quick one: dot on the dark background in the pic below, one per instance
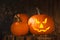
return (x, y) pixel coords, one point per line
(8, 8)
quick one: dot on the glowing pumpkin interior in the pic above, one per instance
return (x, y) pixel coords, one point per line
(41, 24)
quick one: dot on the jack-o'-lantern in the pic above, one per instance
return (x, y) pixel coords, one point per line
(19, 27)
(41, 24)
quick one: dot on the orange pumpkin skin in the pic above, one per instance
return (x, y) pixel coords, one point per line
(41, 24)
(20, 28)
(23, 17)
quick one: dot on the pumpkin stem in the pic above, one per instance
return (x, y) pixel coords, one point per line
(17, 18)
(38, 11)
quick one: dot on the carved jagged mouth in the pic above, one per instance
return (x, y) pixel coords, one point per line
(41, 30)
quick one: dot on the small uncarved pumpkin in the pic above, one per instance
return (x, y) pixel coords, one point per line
(41, 24)
(20, 27)
(23, 17)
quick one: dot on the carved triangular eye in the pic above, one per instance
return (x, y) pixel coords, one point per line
(45, 21)
(37, 21)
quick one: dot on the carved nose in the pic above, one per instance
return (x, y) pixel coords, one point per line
(41, 26)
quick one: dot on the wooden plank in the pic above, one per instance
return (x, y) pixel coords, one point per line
(28, 37)
(11, 37)
(20, 38)
(44, 37)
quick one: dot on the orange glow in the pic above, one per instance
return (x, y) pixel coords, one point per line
(41, 26)
(45, 21)
(41, 30)
(37, 21)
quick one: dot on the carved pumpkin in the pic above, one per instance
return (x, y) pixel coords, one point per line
(20, 27)
(41, 24)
